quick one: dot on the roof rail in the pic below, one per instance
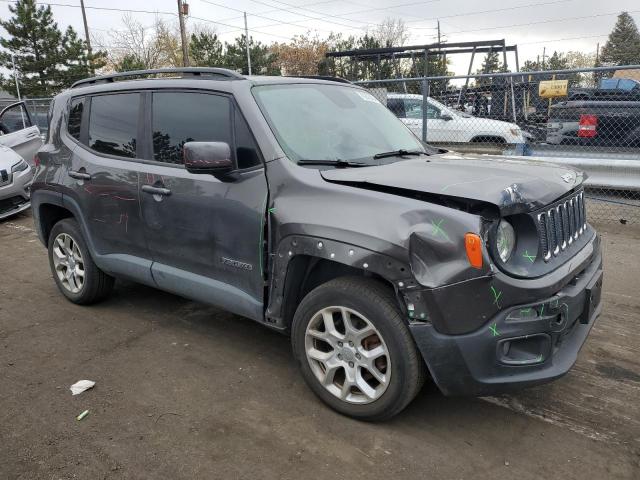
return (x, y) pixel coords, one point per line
(321, 77)
(184, 71)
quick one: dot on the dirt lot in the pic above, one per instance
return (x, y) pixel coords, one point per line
(186, 391)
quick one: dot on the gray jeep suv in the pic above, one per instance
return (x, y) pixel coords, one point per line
(306, 205)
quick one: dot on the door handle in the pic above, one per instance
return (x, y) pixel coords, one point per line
(79, 175)
(32, 134)
(156, 190)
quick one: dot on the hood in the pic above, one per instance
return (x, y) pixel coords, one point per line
(8, 158)
(478, 123)
(513, 186)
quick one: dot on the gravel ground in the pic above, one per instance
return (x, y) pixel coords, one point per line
(186, 391)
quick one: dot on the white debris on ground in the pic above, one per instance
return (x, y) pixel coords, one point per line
(81, 386)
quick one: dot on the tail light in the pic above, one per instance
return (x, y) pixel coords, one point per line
(588, 126)
(36, 161)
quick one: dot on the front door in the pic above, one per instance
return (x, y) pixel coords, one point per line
(18, 132)
(205, 234)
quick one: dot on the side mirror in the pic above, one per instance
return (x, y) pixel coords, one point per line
(446, 117)
(207, 157)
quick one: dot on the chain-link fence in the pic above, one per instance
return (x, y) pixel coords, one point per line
(570, 114)
(558, 115)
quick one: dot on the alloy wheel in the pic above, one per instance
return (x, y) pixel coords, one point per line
(348, 355)
(68, 263)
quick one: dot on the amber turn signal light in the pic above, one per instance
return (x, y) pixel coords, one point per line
(473, 245)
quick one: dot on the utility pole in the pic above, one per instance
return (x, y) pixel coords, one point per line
(183, 35)
(86, 36)
(439, 46)
(246, 36)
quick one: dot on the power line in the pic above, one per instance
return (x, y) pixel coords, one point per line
(495, 10)
(88, 7)
(553, 20)
(259, 15)
(158, 12)
(278, 10)
(341, 16)
(551, 40)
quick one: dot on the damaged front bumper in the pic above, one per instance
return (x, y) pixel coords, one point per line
(521, 345)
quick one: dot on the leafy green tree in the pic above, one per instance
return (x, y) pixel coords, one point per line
(206, 50)
(47, 60)
(263, 61)
(129, 62)
(623, 44)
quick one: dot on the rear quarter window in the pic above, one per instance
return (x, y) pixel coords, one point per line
(75, 117)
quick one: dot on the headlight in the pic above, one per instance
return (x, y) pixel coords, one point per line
(516, 132)
(21, 166)
(505, 240)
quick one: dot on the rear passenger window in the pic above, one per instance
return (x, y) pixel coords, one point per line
(113, 124)
(75, 117)
(180, 117)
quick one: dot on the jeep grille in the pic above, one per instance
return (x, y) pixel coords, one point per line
(560, 225)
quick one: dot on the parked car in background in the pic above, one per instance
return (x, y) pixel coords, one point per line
(19, 132)
(602, 123)
(623, 89)
(15, 181)
(447, 125)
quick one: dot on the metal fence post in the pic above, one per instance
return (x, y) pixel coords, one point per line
(425, 95)
(425, 106)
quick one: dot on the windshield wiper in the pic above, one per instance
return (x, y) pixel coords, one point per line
(399, 153)
(335, 163)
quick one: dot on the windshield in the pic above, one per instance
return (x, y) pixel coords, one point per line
(331, 122)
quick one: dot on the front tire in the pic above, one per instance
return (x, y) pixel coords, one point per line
(75, 273)
(354, 349)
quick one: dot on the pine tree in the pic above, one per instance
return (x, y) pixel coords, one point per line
(490, 64)
(623, 44)
(262, 59)
(47, 60)
(128, 63)
(205, 50)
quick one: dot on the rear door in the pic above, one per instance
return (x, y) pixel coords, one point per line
(205, 234)
(102, 180)
(18, 132)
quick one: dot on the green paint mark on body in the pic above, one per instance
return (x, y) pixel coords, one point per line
(437, 229)
(494, 330)
(531, 258)
(496, 296)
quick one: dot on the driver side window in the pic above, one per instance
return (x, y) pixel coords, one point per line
(14, 119)
(413, 108)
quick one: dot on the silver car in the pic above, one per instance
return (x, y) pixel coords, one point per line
(15, 182)
(19, 141)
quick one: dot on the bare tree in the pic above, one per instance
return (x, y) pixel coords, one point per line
(392, 32)
(135, 43)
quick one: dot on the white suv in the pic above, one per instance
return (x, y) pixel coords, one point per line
(448, 125)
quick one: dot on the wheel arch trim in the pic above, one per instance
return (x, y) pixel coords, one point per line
(397, 273)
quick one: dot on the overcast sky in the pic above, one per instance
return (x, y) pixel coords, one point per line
(561, 25)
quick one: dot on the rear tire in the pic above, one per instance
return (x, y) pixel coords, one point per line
(73, 269)
(354, 349)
